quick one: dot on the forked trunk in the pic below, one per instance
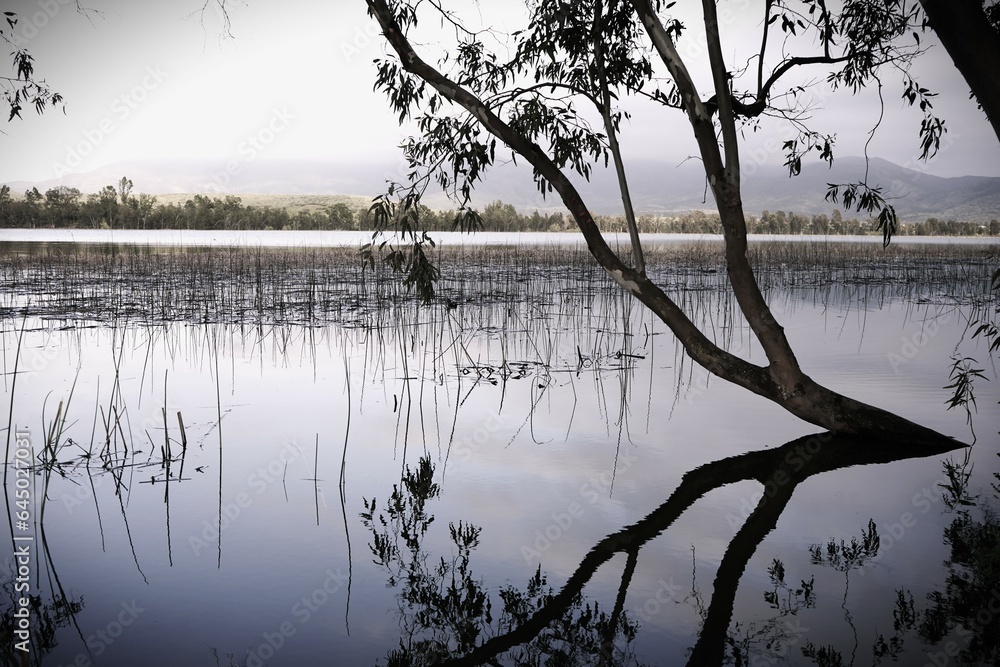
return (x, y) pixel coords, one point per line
(782, 380)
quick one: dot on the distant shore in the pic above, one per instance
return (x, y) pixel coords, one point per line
(347, 238)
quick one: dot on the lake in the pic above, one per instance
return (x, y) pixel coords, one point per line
(252, 450)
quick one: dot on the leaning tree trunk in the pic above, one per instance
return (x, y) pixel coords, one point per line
(782, 380)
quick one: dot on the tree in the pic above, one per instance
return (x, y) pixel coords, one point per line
(820, 224)
(61, 196)
(597, 53)
(61, 208)
(124, 190)
(341, 216)
(500, 216)
(144, 206)
(108, 199)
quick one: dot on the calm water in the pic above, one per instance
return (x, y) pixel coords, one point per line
(533, 420)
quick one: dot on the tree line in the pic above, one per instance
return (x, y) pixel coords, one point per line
(115, 207)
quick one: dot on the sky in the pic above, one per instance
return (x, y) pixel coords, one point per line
(161, 80)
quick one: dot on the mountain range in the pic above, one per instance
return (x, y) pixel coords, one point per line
(658, 187)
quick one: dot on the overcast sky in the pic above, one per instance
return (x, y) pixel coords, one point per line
(152, 80)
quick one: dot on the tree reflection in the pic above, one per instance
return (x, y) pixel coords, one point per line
(46, 616)
(969, 606)
(843, 557)
(445, 610)
(46, 619)
(447, 614)
(755, 637)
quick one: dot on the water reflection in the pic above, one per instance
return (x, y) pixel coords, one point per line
(445, 610)
(447, 616)
(537, 390)
(969, 606)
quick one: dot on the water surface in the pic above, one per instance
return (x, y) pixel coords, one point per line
(533, 402)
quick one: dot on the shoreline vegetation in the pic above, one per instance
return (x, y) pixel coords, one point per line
(115, 207)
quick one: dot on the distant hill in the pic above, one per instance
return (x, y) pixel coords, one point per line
(916, 195)
(657, 187)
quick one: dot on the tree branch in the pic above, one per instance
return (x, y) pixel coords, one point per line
(696, 110)
(720, 76)
(759, 105)
(605, 107)
(724, 180)
(763, 48)
(510, 95)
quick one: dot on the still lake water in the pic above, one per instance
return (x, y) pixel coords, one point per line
(552, 413)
